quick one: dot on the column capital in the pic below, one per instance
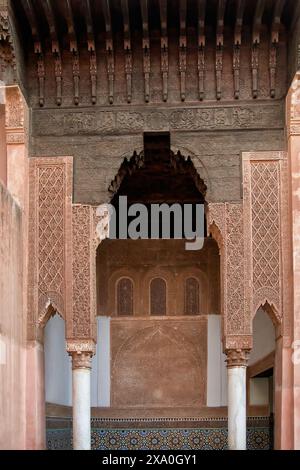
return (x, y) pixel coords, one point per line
(237, 357)
(81, 360)
(81, 352)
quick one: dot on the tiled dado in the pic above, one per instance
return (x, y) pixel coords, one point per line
(147, 434)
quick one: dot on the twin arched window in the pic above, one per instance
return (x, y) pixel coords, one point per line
(158, 297)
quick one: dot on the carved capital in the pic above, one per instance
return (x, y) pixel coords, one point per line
(81, 360)
(237, 357)
(81, 353)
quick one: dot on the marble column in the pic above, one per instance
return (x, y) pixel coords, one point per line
(237, 410)
(81, 397)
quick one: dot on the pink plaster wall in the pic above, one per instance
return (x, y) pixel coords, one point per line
(12, 325)
(3, 157)
(294, 152)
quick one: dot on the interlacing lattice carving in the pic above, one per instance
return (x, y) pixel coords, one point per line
(49, 264)
(265, 184)
(51, 253)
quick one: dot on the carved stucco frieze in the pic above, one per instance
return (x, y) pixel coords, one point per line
(107, 121)
(49, 286)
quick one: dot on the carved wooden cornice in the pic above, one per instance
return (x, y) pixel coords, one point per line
(101, 25)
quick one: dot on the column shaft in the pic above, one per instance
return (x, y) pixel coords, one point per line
(81, 409)
(237, 407)
(237, 418)
(81, 393)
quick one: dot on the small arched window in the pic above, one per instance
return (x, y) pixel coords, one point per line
(191, 296)
(158, 297)
(125, 297)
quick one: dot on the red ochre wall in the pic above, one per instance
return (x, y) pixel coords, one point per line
(12, 325)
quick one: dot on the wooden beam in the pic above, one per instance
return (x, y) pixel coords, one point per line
(219, 47)
(146, 48)
(89, 26)
(127, 49)
(31, 16)
(182, 48)
(257, 21)
(201, 48)
(71, 26)
(240, 8)
(73, 49)
(278, 9)
(109, 49)
(47, 6)
(259, 11)
(164, 46)
(92, 50)
(41, 74)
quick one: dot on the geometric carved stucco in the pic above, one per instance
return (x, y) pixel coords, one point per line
(263, 174)
(82, 324)
(226, 224)
(50, 206)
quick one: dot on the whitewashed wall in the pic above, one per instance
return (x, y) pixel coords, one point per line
(263, 344)
(263, 337)
(58, 367)
(216, 365)
(101, 365)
